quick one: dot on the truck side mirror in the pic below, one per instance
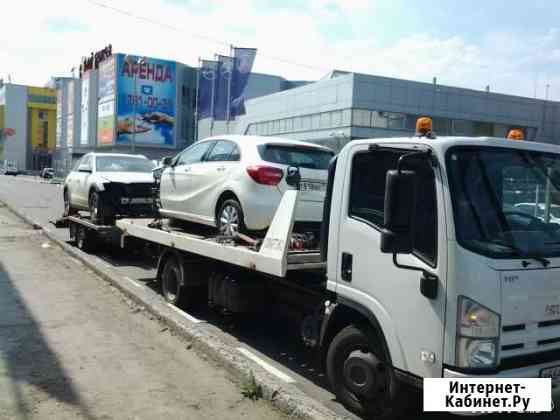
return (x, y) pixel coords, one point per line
(166, 161)
(400, 204)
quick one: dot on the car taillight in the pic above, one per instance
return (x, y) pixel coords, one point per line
(266, 175)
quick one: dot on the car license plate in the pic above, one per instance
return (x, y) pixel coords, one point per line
(311, 186)
(552, 373)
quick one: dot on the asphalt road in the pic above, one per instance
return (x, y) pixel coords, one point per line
(71, 347)
(274, 341)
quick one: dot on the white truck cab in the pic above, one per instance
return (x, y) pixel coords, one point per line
(428, 256)
(427, 267)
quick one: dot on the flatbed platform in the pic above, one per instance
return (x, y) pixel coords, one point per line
(272, 257)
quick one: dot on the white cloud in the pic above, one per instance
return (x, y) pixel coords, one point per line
(508, 63)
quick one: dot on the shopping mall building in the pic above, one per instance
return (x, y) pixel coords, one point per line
(27, 125)
(346, 106)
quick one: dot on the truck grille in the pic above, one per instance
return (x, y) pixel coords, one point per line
(522, 342)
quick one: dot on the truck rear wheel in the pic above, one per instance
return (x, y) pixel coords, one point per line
(173, 285)
(360, 376)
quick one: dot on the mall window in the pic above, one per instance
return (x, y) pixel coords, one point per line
(316, 121)
(346, 117)
(289, 124)
(336, 118)
(361, 118)
(326, 120)
(379, 119)
(306, 122)
(442, 126)
(395, 121)
(483, 129)
(462, 128)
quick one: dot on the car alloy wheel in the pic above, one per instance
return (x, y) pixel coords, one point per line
(229, 221)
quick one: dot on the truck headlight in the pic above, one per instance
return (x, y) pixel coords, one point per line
(478, 335)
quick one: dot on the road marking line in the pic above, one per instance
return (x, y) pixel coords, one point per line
(186, 315)
(267, 366)
(134, 283)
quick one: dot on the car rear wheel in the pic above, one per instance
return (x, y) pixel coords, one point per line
(230, 218)
(100, 211)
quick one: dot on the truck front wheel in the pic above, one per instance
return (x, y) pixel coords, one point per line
(360, 376)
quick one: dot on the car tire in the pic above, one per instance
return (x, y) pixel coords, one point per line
(68, 209)
(100, 212)
(85, 240)
(230, 219)
(382, 397)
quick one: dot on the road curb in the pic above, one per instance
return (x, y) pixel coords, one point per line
(286, 397)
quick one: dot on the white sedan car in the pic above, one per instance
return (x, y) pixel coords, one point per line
(110, 184)
(235, 183)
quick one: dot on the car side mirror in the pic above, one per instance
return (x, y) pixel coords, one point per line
(84, 168)
(293, 177)
(400, 205)
(166, 161)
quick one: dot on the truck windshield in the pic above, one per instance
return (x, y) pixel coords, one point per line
(506, 201)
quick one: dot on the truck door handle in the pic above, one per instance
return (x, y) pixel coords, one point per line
(346, 267)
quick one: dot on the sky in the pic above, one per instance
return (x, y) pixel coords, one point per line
(512, 46)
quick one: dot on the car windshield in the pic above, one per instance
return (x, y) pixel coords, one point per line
(123, 164)
(303, 157)
(505, 201)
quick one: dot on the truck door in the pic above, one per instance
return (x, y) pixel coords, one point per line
(413, 324)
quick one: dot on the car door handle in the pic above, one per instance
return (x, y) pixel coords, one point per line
(221, 168)
(187, 169)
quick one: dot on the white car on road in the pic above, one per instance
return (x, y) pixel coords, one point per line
(110, 184)
(235, 183)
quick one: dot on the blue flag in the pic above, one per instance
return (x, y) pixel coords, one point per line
(223, 86)
(244, 59)
(206, 88)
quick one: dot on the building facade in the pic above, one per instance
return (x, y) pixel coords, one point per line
(347, 106)
(126, 104)
(27, 126)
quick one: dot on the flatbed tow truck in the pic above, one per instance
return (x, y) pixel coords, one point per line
(425, 266)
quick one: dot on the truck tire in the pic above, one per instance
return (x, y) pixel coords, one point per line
(173, 285)
(359, 375)
(101, 213)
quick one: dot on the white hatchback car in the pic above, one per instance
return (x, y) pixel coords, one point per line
(235, 183)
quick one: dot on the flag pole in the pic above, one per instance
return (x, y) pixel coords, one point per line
(216, 69)
(196, 101)
(229, 86)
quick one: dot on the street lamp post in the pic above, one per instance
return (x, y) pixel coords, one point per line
(131, 60)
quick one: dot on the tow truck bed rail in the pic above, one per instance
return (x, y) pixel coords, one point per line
(273, 257)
